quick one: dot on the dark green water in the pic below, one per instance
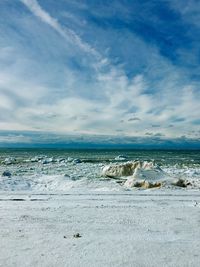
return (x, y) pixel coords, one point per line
(162, 157)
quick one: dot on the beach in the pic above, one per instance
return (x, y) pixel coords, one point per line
(99, 208)
(144, 228)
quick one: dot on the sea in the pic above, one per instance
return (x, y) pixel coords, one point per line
(80, 170)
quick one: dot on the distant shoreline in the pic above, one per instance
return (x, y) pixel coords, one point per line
(96, 147)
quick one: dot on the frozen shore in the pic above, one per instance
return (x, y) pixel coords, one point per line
(141, 228)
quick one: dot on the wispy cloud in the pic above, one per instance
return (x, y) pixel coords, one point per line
(67, 33)
(102, 77)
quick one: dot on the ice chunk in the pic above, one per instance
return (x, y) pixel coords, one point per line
(121, 157)
(76, 161)
(146, 178)
(180, 182)
(69, 159)
(6, 173)
(47, 161)
(9, 161)
(125, 169)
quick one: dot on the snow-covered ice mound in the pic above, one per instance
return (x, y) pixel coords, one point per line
(146, 177)
(128, 168)
(142, 174)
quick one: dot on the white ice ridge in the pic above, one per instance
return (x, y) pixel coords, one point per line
(142, 174)
(129, 168)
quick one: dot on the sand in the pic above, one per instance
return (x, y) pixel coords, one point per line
(140, 228)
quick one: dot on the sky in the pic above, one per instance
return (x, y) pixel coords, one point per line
(121, 69)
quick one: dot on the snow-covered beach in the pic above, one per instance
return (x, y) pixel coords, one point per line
(148, 228)
(99, 208)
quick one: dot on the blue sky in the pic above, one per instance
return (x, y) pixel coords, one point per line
(114, 68)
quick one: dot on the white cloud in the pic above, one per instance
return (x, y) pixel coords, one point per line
(15, 138)
(67, 33)
(94, 101)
